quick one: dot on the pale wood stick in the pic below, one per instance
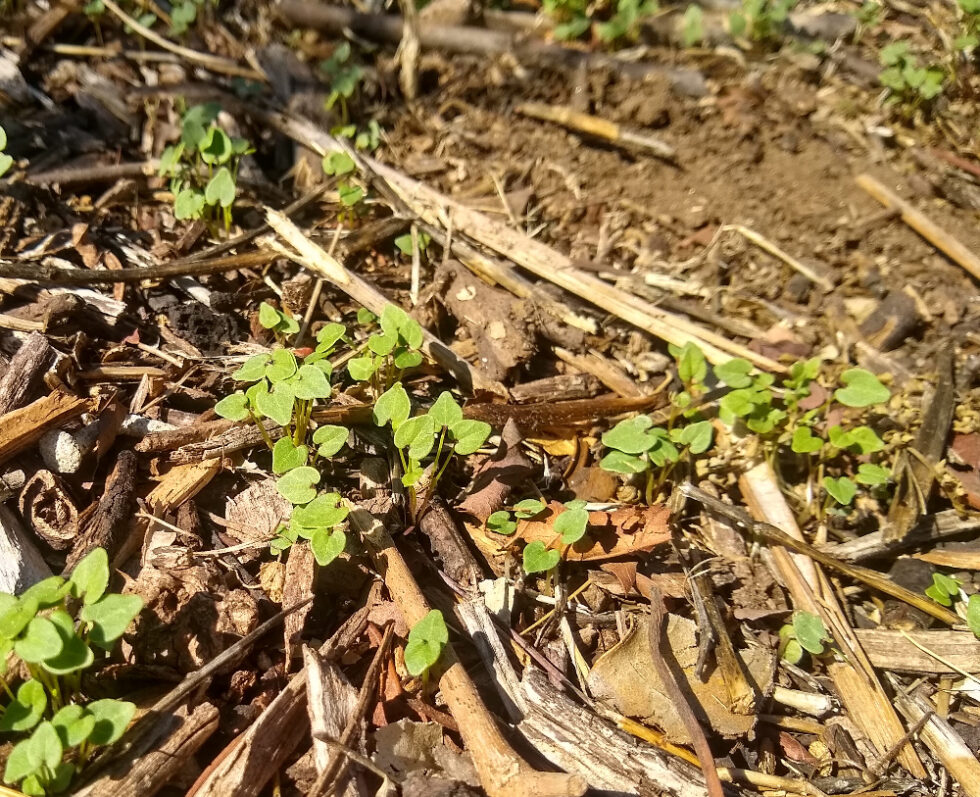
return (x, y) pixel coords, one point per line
(768, 246)
(856, 681)
(22, 428)
(922, 224)
(503, 772)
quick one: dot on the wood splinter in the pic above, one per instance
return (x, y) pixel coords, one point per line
(503, 773)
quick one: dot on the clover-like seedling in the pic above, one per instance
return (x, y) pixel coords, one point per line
(636, 445)
(54, 648)
(404, 242)
(317, 521)
(426, 640)
(344, 78)
(862, 389)
(909, 84)
(398, 344)
(973, 614)
(5, 160)
(572, 522)
(944, 589)
(806, 633)
(841, 489)
(539, 559)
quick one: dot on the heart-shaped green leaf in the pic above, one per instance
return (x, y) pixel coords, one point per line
(804, 442)
(734, 373)
(26, 711)
(74, 724)
(618, 462)
(90, 577)
(281, 366)
(392, 406)
(328, 335)
(216, 149)
(697, 436)
(298, 486)
(538, 559)
(361, 368)
(393, 318)
(17, 616)
(75, 654)
(445, 411)
(405, 359)
(571, 524)
(469, 435)
(22, 762)
(47, 592)
(349, 195)
(220, 189)
(842, 490)
(310, 383)
(111, 719)
(810, 632)
(630, 436)
(40, 641)
(110, 617)
(417, 435)
(5, 163)
(269, 316)
(384, 343)
(863, 389)
(425, 643)
(277, 405)
(337, 163)
(529, 507)
(233, 407)
(327, 545)
(286, 455)
(501, 523)
(324, 511)
(330, 439)
(872, 475)
(253, 369)
(188, 204)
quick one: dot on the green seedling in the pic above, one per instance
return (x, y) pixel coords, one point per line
(184, 13)
(539, 559)
(806, 633)
(973, 614)
(944, 589)
(969, 36)
(426, 640)
(404, 242)
(692, 28)
(909, 85)
(622, 18)
(343, 76)
(760, 21)
(390, 352)
(624, 24)
(59, 628)
(203, 167)
(5, 160)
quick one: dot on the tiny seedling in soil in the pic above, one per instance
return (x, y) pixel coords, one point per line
(5, 160)
(58, 629)
(806, 633)
(426, 640)
(910, 86)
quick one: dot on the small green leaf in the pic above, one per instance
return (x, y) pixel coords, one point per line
(734, 373)
(16, 618)
(310, 383)
(692, 368)
(618, 462)
(41, 641)
(277, 405)
(501, 523)
(469, 435)
(328, 335)
(538, 559)
(792, 651)
(75, 654)
(336, 164)
(697, 436)
(365, 316)
(330, 439)
(405, 359)
(5, 163)
(445, 411)
(862, 389)
(973, 614)
(297, 486)
(269, 316)
(350, 195)
(74, 725)
(281, 366)
(233, 407)
(253, 369)
(425, 643)
(170, 160)
(220, 189)
(529, 507)
(110, 617)
(327, 545)
(286, 456)
(392, 406)
(842, 490)
(416, 434)
(49, 591)
(24, 760)
(571, 524)
(804, 441)
(324, 511)
(383, 343)
(872, 475)
(47, 745)
(111, 719)
(630, 436)
(361, 368)
(188, 204)
(810, 632)
(27, 710)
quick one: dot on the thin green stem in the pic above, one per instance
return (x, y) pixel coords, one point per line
(262, 431)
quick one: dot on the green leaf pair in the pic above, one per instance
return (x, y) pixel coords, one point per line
(426, 640)
(805, 633)
(944, 589)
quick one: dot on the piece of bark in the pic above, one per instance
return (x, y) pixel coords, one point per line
(891, 322)
(158, 766)
(897, 650)
(112, 515)
(331, 701)
(497, 477)
(448, 543)
(299, 583)
(557, 388)
(21, 564)
(25, 372)
(22, 428)
(46, 506)
(171, 439)
(928, 530)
